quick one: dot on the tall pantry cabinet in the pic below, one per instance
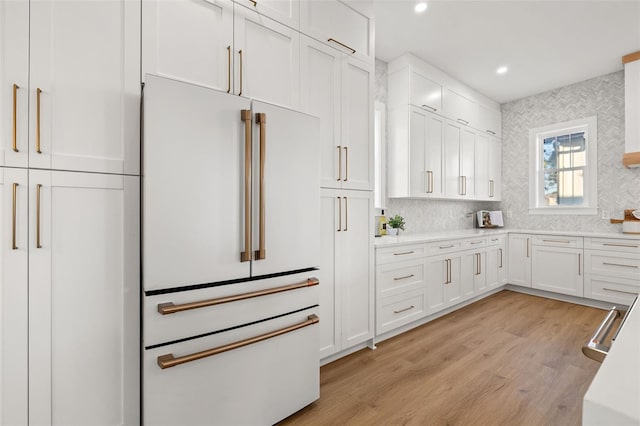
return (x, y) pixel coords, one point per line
(69, 207)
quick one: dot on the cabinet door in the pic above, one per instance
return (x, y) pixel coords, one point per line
(330, 294)
(453, 291)
(437, 279)
(426, 93)
(426, 138)
(495, 266)
(519, 259)
(482, 181)
(558, 270)
(495, 169)
(355, 259)
(267, 59)
(14, 345)
(83, 298)
(467, 163)
(489, 120)
(453, 182)
(460, 108)
(357, 124)
(284, 11)
(320, 68)
(434, 154)
(14, 83)
(189, 40)
(85, 90)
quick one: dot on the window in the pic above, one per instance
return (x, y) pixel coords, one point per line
(564, 168)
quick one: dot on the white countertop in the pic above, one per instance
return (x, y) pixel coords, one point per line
(613, 397)
(407, 238)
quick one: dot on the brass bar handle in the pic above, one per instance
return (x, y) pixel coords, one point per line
(15, 117)
(446, 247)
(245, 115)
(557, 241)
(168, 360)
(527, 247)
(255, 3)
(38, 243)
(170, 308)
(620, 291)
(449, 271)
(240, 53)
(346, 214)
(594, 348)
(14, 246)
(621, 265)
(403, 278)
(460, 184)
(403, 253)
(339, 214)
(261, 119)
(473, 243)
(620, 245)
(346, 163)
(500, 251)
(491, 132)
(404, 310)
(339, 163)
(479, 263)
(464, 179)
(333, 40)
(490, 188)
(460, 120)
(579, 264)
(38, 92)
(429, 107)
(228, 69)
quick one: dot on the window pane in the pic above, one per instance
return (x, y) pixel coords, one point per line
(578, 148)
(570, 187)
(550, 153)
(551, 189)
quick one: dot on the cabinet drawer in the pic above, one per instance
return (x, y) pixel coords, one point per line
(394, 311)
(400, 253)
(395, 278)
(442, 247)
(623, 265)
(611, 289)
(495, 241)
(556, 241)
(159, 328)
(612, 244)
(474, 243)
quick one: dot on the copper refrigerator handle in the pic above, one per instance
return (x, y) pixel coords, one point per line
(13, 217)
(15, 117)
(38, 243)
(245, 115)
(339, 162)
(339, 214)
(261, 119)
(240, 53)
(38, 92)
(228, 69)
(170, 308)
(168, 360)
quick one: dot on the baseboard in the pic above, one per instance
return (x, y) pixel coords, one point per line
(561, 297)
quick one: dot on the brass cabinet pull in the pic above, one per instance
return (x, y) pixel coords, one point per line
(403, 253)
(339, 163)
(255, 3)
(620, 264)
(460, 120)
(620, 291)
(346, 214)
(38, 92)
(170, 308)
(228, 69)
(429, 182)
(245, 115)
(429, 107)
(473, 243)
(557, 241)
(339, 214)
(333, 40)
(527, 247)
(13, 216)
(479, 263)
(490, 188)
(404, 310)
(15, 117)
(38, 188)
(346, 163)
(168, 360)
(403, 278)
(261, 119)
(579, 264)
(447, 263)
(500, 251)
(464, 180)
(240, 53)
(446, 247)
(491, 132)
(620, 245)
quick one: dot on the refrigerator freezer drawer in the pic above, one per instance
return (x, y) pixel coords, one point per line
(260, 383)
(218, 314)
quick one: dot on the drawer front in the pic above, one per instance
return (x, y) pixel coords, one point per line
(443, 247)
(395, 311)
(399, 253)
(620, 264)
(557, 241)
(160, 328)
(260, 383)
(475, 243)
(497, 240)
(613, 244)
(396, 278)
(608, 289)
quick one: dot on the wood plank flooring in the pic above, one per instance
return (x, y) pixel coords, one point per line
(509, 359)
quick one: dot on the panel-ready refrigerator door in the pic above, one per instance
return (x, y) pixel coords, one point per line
(193, 185)
(286, 190)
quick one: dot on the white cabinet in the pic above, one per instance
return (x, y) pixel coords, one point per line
(488, 168)
(346, 295)
(284, 11)
(338, 89)
(444, 285)
(475, 273)
(558, 270)
(519, 259)
(460, 107)
(339, 23)
(489, 120)
(79, 233)
(494, 161)
(417, 156)
(459, 161)
(409, 86)
(612, 269)
(82, 92)
(496, 262)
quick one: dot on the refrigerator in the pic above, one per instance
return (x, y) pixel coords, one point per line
(230, 214)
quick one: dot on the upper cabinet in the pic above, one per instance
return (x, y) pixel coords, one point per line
(490, 120)
(340, 24)
(408, 86)
(461, 108)
(283, 11)
(87, 117)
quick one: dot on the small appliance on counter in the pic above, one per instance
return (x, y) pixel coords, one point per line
(490, 219)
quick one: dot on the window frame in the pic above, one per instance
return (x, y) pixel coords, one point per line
(589, 126)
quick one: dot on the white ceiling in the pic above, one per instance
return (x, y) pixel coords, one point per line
(545, 44)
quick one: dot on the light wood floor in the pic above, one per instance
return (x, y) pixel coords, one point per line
(509, 359)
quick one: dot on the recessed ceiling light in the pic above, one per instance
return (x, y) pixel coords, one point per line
(502, 70)
(420, 7)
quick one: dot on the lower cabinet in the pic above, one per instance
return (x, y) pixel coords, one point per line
(519, 259)
(70, 304)
(346, 284)
(496, 262)
(445, 283)
(557, 265)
